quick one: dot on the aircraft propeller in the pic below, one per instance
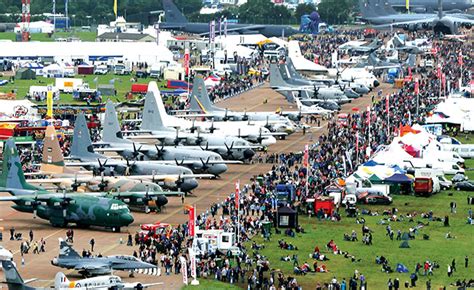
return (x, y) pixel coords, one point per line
(193, 127)
(136, 152)
(205, 165)
(102, 165)
(160, 152)
(230, 153)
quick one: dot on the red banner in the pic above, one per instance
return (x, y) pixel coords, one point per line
(387, 103)
(306, 156)
(460, 58)
(191, 224)
(237, 191)
(186, 61)
(417, 87)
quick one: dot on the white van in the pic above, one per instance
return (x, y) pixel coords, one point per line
(465, 151)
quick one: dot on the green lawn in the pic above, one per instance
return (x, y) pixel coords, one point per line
(437, 248)
(82, 35)
(205, 284)
(122, 85)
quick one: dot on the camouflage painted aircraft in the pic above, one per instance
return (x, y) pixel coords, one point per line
(82, 150)
(138, 194)
(59, 209)
(68, 258)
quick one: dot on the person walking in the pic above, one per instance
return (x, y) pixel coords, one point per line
(390, 284)
(466, 262)
(92, 243)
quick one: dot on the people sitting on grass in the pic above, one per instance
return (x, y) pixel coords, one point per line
(289, 232)
(286, 246)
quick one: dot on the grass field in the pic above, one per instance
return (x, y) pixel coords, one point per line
(122, 85)
(437, 248)
(82, 35)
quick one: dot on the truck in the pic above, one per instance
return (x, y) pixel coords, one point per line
(424, 186)
(68, 85)
(101, 69)
(122, 68)
(211, 241)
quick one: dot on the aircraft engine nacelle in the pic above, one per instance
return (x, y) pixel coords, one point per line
(467, 25)
(425, 25)
(410, 27)
(419, 10)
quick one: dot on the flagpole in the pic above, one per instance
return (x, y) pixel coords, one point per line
(195, 281)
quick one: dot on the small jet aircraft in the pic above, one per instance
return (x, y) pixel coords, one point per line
(68, 258)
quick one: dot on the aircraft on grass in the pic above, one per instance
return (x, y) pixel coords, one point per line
(59, 209)
(82, 150)
(152, 127)
(61, 282)
(68, 258)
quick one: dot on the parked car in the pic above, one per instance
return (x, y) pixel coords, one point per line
(141, 74)
(464, 185)
(458, 177)
(378, 199)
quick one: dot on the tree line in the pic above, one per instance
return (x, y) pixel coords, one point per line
(90, 12)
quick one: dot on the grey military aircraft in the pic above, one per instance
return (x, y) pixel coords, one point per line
(59, 209)
(82, 150)
(175, 20)
(68, 258)
(422, 6)
(286, 84)
(197, 160)
(201, 103)
(441, 23)
(152, 127)
(13, 278)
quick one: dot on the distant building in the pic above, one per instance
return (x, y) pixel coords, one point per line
(125, 37)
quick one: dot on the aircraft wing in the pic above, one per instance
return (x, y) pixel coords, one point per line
(192, 161)
(459, 20)
(90, 266)
(242, 29)
(170, 176)
(404, 23)
(134, 285)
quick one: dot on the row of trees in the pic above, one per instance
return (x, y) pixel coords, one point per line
(254, 11)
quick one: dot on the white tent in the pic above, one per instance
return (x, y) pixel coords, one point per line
(87, 51)
(23, 109)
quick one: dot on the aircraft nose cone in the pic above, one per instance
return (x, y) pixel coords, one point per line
(161, 201)
(248, 153)
(189, 184)
(376, 83)
(217, 169)
(126, 219)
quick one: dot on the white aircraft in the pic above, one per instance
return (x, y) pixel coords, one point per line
(253, 131)
(311, 110)
(101, 282)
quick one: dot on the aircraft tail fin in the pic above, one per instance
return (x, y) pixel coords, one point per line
(161, 111)
(440, 9)
(411, 60)
(112, 132)
(200, 100)
(81, 147)
(61, 281)
(366, 9)
(152, 119)
(53, 160)
(12, 277)
(12, 172)
(66, 251)
(276, 79)
(172, 13)
(372, 59)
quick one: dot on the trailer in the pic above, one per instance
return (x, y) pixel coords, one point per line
(68, 85)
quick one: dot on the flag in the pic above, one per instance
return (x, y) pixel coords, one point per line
(237, 197)
(410, 74)
(387, 103)
(115, 8)
(357, 141)
(407, 4)
(316, 59)
(186, 61)
(190, 220)
(443, 80)
(417, 87)
(225, 27)
(306, 156)
(438, 72)
(460, 58)
(49, 101)
(184, 269)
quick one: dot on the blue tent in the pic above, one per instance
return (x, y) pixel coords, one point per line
(371, 163)
(398, 169)
(401, 268)
(399, 178)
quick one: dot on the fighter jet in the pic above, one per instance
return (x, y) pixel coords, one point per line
(68, 258)
(152, 127)
(82, 150)
(175, 20)
(197, 160)
(59, 209)
(14, 281)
